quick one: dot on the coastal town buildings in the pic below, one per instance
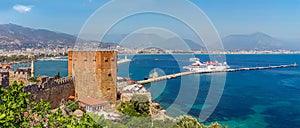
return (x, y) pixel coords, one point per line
(122, 50)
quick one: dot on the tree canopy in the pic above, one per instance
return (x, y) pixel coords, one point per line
(17, 111)
(139, 106)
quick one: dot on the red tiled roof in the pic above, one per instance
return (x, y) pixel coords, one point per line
(90, 101)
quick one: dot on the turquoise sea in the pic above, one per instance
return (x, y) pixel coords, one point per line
(250, 99)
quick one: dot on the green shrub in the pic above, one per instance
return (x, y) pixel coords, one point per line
(17, 111)
(139, 106)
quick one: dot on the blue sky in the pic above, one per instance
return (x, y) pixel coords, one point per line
(279, 18)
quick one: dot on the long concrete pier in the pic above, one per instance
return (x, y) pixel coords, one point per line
(123, 61)
(171, 76)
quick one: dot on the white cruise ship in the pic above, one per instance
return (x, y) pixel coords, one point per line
(206, 66)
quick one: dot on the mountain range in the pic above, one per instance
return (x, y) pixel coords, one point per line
(258, 41)
(255, 41)
(16, 37)
(142, 40)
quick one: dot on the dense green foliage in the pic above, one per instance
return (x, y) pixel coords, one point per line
(13, 58)
(139, 106)
(137, 115)
(17, 111)
(13, 106)
(188, 122)
(146, 122)
(72, 105)
(134, 122)
(33, 79)
(127, 109)
(191, 122)
(17, 58)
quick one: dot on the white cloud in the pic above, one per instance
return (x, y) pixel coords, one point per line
(22, 8)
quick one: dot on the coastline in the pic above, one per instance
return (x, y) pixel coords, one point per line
(231, 114)
(209, 53)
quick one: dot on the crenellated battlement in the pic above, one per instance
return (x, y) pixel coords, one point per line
(49, 83)
(52, 90)
(64, 80)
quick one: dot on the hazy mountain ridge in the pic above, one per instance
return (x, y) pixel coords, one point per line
(18, 37)
(234, 42)
(256, 41)
(142, 40)
(15, 37)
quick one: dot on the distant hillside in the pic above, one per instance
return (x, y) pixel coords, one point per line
(255, 41)
(16, 37)
(142, 40)
(184, 44)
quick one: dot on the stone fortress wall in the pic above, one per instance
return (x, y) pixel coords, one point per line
(52, 90)
(91, 74)
(4, 77)
(49, 89)
(17, 76)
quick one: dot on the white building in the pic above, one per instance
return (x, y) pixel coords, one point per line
(91, 104)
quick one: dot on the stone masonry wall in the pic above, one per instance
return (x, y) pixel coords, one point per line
(53, 91)
(4, 78)
(94, 74)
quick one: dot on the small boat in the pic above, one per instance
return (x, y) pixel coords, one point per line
(154, 74)
(194, 59)
(173, 77)
(295, 64)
